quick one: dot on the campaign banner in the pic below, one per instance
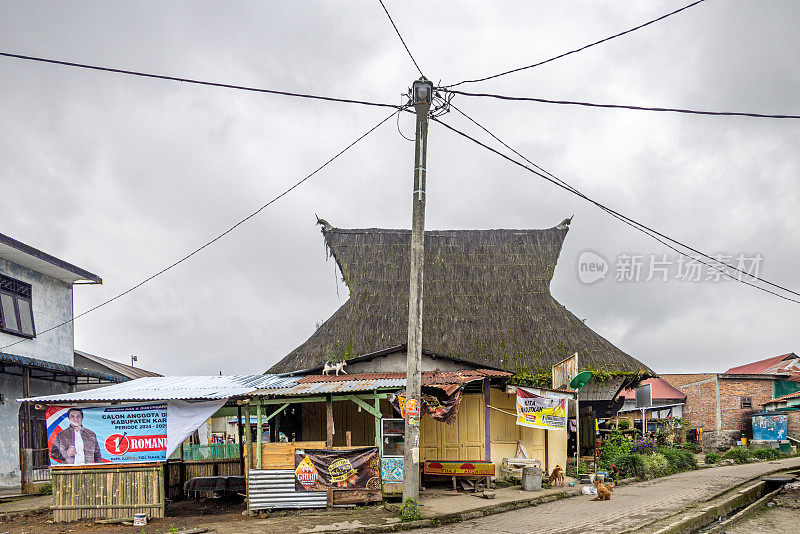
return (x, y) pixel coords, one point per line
(536, 409)
(107, 434)
(324, 469)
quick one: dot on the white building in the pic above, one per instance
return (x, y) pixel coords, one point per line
(35, 297)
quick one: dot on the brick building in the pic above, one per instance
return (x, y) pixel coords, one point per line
(722, 404)
(791, 405)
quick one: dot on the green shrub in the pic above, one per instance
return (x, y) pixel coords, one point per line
(45, 489)
(766, 453)
(633, 465)
(689, 446)
(624, 424)
(679, 459)
(614, 446)
(409, 511)
(740, 455)
(656, 465)
(713, 457)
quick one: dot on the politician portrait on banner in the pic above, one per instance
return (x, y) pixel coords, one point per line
(107, 434)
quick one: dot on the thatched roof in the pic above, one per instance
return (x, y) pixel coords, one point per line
(486, 300)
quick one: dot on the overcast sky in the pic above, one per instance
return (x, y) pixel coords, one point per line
(123, 175)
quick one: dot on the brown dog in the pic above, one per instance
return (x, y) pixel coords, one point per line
(556, 476)
(603, 491)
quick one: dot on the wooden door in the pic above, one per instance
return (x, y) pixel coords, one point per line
(459, 442)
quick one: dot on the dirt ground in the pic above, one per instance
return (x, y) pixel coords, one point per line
(775, 519)
(222, 517)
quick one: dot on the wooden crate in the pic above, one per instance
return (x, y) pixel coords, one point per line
(113, 491)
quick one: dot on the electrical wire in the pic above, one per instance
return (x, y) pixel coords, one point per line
(218, 237)
(658, 236)
(648, 23)
(624, 106)
(401, 38)
(197, 82)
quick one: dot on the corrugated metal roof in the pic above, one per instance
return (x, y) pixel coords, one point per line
(58, 368)
(169, 388)
(340, 386)
(344, 383)
(428, 377)
(776, 364)
(117, 367)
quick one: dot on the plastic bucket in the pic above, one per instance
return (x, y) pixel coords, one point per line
(139, 520)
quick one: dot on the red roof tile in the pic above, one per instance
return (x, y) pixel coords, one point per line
(776, 364)
(660, 388)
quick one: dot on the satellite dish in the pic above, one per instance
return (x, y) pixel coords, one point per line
(581, 380)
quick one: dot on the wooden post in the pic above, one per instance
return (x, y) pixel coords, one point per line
(487, 425)
(258, 434)
(27, 439)
(239, 433)
(248, 439)
(378, 424)
(348, 438)
(329, 437)
(546, 451)
(27, 470)
(329, 419)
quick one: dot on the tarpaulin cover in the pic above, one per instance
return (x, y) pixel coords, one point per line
(440, 404)
(323, 469)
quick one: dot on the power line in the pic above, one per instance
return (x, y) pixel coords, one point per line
(581, 48)
(197, 82)
(625, 106)
(660, 237)
(401, 38)
(217, 238)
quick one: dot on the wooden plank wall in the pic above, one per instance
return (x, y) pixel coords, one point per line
(345, 417)
(108, 492)
(281, 455)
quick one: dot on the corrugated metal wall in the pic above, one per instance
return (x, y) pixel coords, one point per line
(274, 488)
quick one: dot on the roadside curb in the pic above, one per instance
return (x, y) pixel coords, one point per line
(457, 517)
(692, 518)
(472, 513)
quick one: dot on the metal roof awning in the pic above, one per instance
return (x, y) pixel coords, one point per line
(345, 383)
(168, 388)
(44, 370)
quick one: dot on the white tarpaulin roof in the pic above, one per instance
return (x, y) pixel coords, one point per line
(173, 388)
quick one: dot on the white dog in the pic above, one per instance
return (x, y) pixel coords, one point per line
(338, 367)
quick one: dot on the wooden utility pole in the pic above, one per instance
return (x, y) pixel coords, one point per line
(421, 96)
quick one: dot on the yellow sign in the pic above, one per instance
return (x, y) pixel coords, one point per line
(536, 409)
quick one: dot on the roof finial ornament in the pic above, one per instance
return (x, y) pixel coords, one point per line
(326, 226)
(563, 225)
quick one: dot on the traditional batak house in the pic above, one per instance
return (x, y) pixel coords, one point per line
(489, 321)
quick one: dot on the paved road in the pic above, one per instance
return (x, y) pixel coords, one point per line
(631, 507)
